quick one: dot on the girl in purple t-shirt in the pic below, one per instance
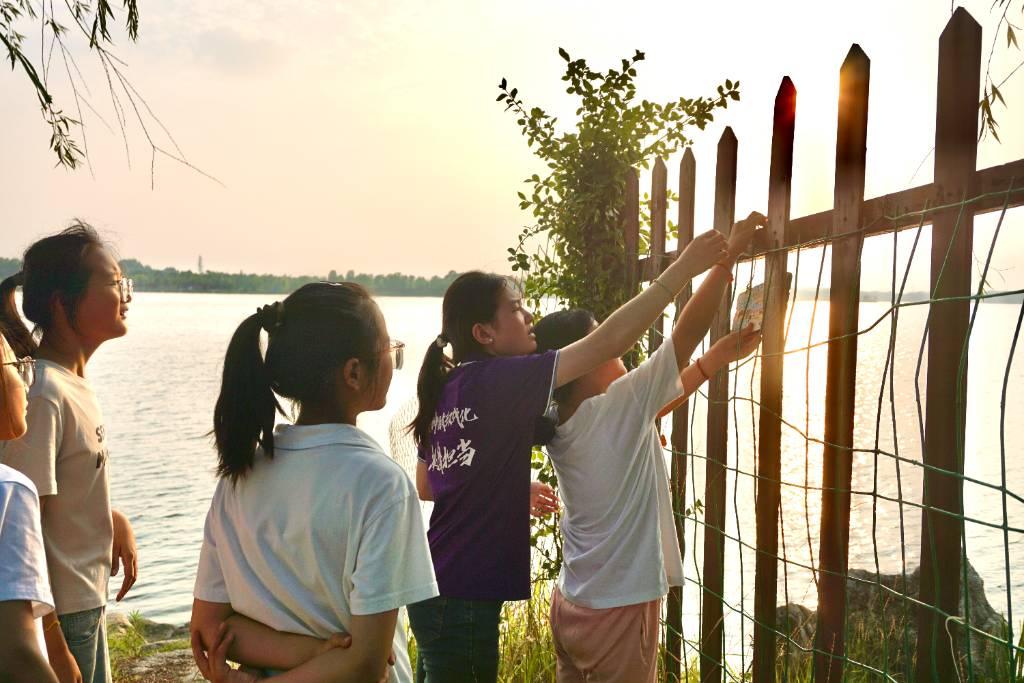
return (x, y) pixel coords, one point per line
(475, 431)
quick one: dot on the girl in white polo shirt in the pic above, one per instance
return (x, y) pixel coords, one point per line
(313, 530)
(620, 552)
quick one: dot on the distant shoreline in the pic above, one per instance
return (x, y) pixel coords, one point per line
(174, 281)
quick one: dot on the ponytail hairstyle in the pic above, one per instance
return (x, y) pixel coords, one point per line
(472, 298)
(560, 329)
(314, 331)
(53, 269)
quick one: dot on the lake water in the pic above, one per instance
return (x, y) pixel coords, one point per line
(158, 385)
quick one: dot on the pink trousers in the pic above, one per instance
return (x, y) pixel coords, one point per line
(615, 645)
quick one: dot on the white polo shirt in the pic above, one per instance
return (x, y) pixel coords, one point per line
(327, 529)
(619, 541)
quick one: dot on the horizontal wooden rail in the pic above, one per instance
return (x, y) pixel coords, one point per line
(892, 212)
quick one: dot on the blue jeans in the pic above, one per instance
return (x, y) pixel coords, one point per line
(86, 636)
(456, 640)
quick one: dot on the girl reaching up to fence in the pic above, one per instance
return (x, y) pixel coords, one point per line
(74, 292)
(475, 430)
(620, 553)
(313, 530)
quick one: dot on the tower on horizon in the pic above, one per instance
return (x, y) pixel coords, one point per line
(200, 264)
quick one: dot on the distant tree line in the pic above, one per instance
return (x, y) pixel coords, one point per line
(149, 279)
(395, 284)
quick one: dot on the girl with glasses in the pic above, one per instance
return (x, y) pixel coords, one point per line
(75, 294)
(313, 530)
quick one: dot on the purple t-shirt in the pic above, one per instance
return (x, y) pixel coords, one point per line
(478, 463)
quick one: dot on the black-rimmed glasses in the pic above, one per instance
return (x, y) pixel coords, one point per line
(26, 369)
(397, 351)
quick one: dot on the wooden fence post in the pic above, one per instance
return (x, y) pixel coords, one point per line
(769, 465)
(631, 233)
(841, 375)
(956, 151)
(680, 426)
(712, 627)
(659, 187)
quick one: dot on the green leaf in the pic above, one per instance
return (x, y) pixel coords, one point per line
(996, 95)
(1011, 37)
(563, 54)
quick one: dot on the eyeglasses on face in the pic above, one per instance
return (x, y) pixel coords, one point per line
(397, 351)
(26, 369)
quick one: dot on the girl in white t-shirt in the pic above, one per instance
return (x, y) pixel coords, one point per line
(74, 292)
(312, 530)
(620, 551)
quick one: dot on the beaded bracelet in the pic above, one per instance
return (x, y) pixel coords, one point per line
(702, 371)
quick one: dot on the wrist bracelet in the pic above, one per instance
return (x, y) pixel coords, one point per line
(703, 372)
(56, 622)
(671, 296)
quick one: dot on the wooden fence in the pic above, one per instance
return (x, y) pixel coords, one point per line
(964, 192)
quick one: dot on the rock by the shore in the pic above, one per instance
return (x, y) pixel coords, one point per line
(159, 653)
(878, 599)
(175, 666)
(151, 630)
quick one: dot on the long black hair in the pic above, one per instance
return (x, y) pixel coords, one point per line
(53, 268)
(472, 298)
(559, 329)
(315, 330)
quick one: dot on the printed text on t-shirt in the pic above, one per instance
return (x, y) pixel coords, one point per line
(455, 416)
(442, 457)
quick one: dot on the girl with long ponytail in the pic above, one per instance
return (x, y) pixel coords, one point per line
(475, 429)
(313, 531)
(76, 296)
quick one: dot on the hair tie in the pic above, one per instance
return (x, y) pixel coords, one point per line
(441, 341)
(270, 316)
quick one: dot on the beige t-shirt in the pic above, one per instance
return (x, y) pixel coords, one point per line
(64, 453)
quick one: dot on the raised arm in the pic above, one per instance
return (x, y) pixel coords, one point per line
(696, 317)
(732, 347)
(621, 330)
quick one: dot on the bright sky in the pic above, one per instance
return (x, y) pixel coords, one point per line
(365, 135)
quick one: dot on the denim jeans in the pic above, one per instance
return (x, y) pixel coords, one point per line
(456, 640)
(86, 636)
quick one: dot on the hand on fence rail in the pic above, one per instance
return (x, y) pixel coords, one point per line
(742, 234)
(704, 251)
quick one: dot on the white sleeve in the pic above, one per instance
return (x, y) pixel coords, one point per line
(23, 574)
(393, 565)
(210, 585)
(653, 384)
